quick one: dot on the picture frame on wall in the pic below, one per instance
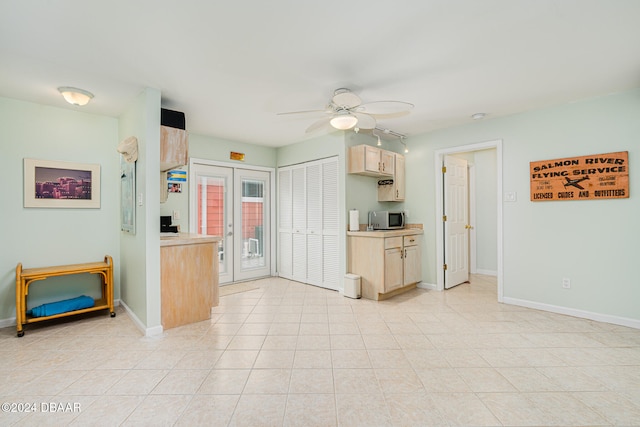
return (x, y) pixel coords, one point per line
(58, 184)
(127, 196)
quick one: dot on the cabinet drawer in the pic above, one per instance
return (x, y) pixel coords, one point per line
(411, 240)
(393, 242)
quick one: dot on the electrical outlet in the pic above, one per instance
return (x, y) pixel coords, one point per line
(176, 215)
(566, 283)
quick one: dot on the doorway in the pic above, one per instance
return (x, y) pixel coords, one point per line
(234, 203)
(440, 201)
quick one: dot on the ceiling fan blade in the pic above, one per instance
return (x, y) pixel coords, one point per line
(344, 98)
(365, 121)
(304, 112)
(384, 108)
(318, 124)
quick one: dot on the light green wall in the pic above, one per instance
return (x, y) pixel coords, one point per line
(208, 148)
(590, 242)
(362, 191)
(39, 237)
(486, 211)
(140, 253)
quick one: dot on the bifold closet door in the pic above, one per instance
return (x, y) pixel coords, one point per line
(308, 223)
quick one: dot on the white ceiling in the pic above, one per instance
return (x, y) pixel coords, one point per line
(231, 66)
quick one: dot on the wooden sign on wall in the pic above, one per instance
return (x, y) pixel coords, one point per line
(599, 176)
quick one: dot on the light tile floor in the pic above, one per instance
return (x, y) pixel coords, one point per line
(288, 354)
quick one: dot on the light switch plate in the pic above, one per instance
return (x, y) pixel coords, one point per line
(510, 196)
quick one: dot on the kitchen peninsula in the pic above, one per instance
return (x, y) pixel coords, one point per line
(188, 278)
(388, 262)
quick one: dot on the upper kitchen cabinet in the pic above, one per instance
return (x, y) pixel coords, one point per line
(371, 161)
(393, 191)
(174, 142)
(174, 148)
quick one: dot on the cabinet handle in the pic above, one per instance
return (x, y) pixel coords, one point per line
(397, 194)
(405, 253)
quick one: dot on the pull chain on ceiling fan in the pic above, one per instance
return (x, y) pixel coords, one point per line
(346, 110)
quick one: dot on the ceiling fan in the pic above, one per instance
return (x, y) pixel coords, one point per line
(346, 110)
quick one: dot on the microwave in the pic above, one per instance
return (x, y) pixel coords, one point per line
(386, 220)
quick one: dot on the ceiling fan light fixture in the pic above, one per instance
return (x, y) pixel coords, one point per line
(75, 96)
(343, 121)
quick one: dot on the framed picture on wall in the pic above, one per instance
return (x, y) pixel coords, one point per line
(54, 184)
(127, 196)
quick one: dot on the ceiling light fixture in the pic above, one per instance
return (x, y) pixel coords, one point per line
(478, 116)
(75, 96)
(377, 136)
(406, 150)
(343, 120)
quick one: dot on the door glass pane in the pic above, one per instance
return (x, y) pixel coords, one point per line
(211, 212)
(253, 222)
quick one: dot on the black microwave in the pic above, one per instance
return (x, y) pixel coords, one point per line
(386, 220)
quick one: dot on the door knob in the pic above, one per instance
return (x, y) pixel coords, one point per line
(230, 233)
(468, 227)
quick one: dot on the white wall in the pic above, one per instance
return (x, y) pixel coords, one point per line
(39, 237)
(591, 242)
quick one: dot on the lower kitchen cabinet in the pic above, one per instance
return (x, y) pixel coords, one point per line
(388, 262)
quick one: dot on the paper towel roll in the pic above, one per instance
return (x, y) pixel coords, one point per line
(354, 220)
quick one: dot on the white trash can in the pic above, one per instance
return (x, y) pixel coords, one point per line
(352, 287)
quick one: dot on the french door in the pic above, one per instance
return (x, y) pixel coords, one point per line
(234, 203)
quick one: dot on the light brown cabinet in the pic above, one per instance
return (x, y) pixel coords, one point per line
(188, 279)
(370, 161)
(388, 262)
(394, 192)
(174, 148)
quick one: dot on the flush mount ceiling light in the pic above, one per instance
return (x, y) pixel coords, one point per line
(343, 120)
(75, 96)
(478, 116)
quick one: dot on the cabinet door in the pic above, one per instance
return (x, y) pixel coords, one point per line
(412, 266)
(387, 162)
(398, 180)
(371, 159)
(392, 269)
(174, 148)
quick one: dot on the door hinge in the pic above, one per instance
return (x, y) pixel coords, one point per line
(444, 169)
(444, 267)
(444, 218)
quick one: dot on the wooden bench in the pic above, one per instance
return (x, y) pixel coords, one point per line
(26, 277)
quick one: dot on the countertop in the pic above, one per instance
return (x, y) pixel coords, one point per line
(386, 233)
(176, 239)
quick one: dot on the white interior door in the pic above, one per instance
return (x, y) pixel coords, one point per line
(456, 226)
(234, 204)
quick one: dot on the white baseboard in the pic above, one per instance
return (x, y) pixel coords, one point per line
(606, 318)
(148, 332)
(431, 286)
(486, 272)
(5, 323)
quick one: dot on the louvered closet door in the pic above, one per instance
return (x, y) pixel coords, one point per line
(330, 224)
(299, 247)
(314, 224)
(310, 193)
(285, 224)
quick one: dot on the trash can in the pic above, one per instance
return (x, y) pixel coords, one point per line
(352, 286)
